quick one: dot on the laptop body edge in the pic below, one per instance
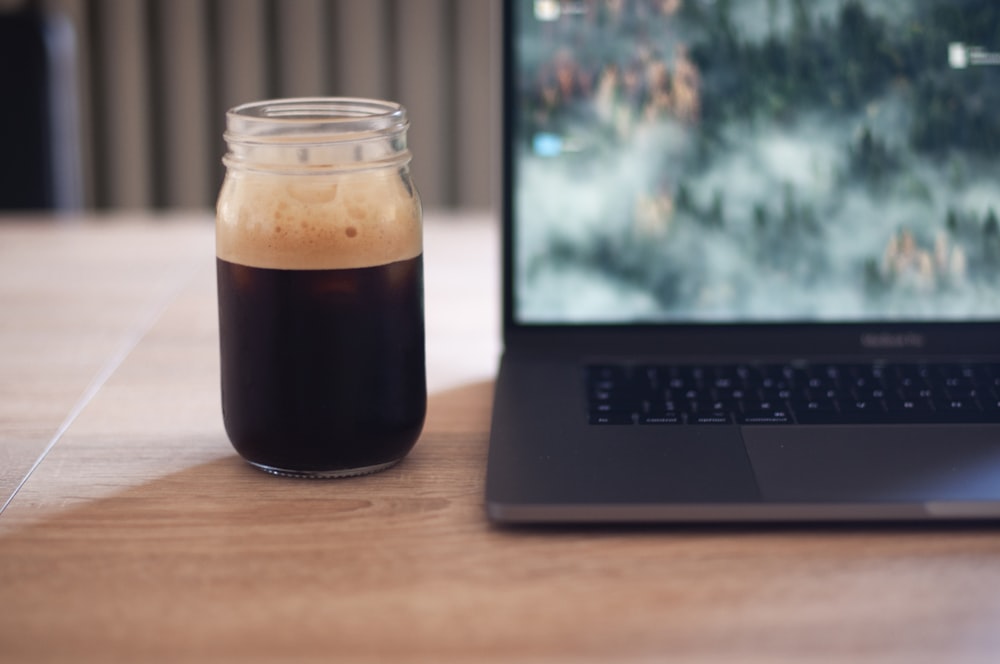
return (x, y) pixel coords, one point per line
(546, 465)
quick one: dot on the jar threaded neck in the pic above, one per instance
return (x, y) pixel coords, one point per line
(316, 134)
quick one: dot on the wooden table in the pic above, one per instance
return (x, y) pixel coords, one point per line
(133, 533)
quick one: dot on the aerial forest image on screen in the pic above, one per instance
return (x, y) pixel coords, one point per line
(757, 160)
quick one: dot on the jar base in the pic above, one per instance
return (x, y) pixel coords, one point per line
(339, 473)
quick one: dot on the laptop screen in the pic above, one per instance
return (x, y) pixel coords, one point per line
(757, 161)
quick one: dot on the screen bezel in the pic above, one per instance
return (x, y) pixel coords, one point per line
(773, 339)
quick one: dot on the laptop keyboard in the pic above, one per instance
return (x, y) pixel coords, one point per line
(788, 394)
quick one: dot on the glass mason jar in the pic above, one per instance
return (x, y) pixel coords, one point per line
(319, 246)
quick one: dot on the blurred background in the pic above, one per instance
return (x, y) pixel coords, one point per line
(120, 104)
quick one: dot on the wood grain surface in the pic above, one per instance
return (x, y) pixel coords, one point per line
(141, 537)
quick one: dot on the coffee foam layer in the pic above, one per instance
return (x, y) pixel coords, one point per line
(317, 222)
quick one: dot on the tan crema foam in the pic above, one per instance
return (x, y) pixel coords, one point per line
(317, 222)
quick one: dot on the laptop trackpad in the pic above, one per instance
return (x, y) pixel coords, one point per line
(887, 463)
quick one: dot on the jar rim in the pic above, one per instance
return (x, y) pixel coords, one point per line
(318, 118)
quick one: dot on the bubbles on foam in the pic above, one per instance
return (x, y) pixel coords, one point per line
(317, 222)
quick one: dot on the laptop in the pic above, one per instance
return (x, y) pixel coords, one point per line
(751, 262)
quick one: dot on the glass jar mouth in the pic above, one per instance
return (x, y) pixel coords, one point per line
(332, 133)
(319, 119)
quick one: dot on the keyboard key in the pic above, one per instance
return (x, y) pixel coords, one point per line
(952, 406)
(709, 418)
(611, 418)
(822, 405)
(765, 417)
(669, 418)
(910, 407)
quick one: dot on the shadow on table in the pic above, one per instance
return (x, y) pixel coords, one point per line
(443, 471)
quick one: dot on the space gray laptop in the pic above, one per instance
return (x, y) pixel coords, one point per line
(752, 262)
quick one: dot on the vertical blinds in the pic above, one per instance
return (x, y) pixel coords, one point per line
(156, 77)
